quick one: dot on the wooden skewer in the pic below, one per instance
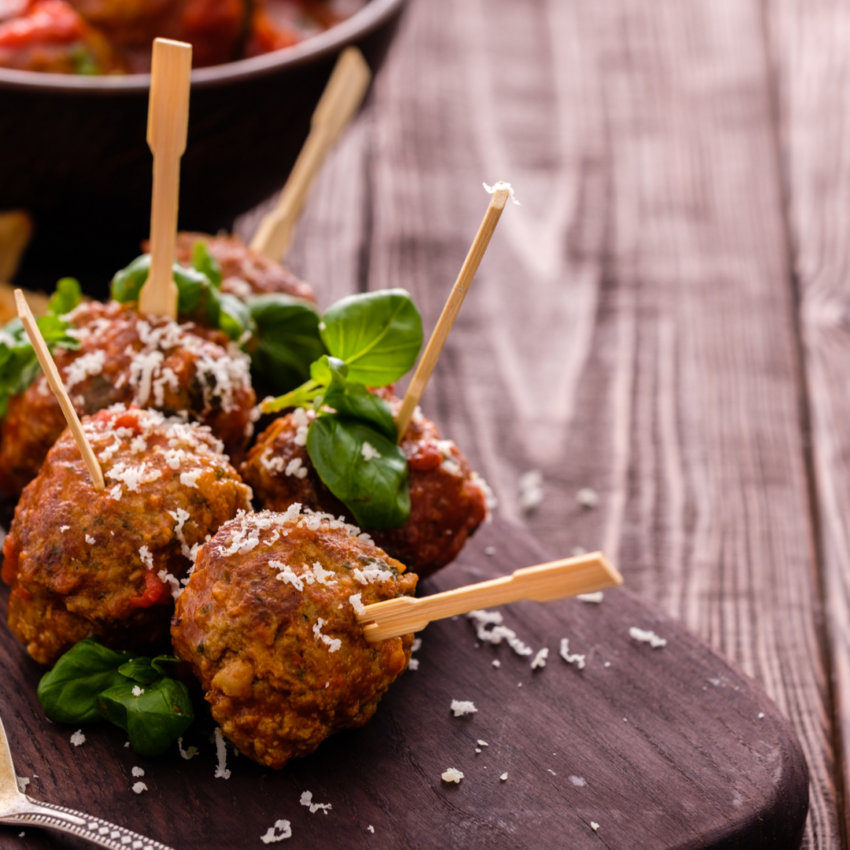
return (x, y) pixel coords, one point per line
(543, 583)
(168, 123)
(55, 381)
(341, 98)
(450, 311)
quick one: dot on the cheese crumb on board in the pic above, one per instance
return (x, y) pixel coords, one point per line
(578, 781)
(78, 738)
(282, 829)
(138, 771)
(452, 775)
(504, 777)
(461, 707)
(139, 787)
(371, 829)
(307, 800)
(22, 781)
(530, 490)
(413, 664)
(647, 636)
(540, 659)
(571, 658)
(594, 825)
(496, 663)
(187, 753)
(587, 497)
(221, 771)
(498, 632)
(591, 597)
(482, 743)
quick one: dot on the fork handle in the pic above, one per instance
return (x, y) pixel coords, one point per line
(33, 813)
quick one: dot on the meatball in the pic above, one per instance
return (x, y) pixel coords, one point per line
(244, 272)
(447, 500)
(269, 624)
(48, 35)
(82, 562)
(123, 358)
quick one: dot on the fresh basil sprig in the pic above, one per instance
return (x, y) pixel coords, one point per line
(372, 339)
(90, 682)
(279, 331)
(198, 297)
(18, 364)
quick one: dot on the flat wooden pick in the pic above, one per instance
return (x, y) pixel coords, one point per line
(543, 583)
(168, 123)
(500, 195)
(55, 382)
(340, 100)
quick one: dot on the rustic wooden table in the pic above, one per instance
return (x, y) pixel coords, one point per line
(663, 320)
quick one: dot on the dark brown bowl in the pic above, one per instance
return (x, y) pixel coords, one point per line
(73, 150)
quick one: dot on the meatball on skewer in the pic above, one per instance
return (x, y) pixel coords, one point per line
(448, 501)
(124, 358)
(83, 562)
(268, 621)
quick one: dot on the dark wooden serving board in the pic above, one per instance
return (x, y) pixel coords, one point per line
(663, 748)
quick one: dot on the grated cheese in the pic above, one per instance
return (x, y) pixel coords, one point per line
(498, 632)
(139, 787)
(188, 752)
(594, 825)
(22, 781)
(307, 800)
(530, 490)
(90, 540)
(89, 364)
(591, 597)
(452, 775)
(146, 556)
(502, 185)
(461, 707)
(333, 644)
(368, 451)
(78, 738)
(504, 777)
(295, 467)
(138, 771)
(221, 771)
(190, 479)
(587, 497)
(647, 636)
(282, 829)
(357, 602)
(137, 691)
(578, 781)
(540, 659)
(578, 660)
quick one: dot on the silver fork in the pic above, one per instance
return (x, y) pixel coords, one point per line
(18, 808)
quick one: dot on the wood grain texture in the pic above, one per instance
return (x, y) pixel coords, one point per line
(811, 68)
(663, 748)
(634, 330)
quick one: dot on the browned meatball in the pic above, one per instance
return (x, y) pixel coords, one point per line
(269, 624)
(83, 562)
(126, 359)
(447, 500)
(244, 272)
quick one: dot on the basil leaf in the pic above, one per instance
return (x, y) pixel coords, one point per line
(155, 718)
(355, 401)
(140, 670)
(206, 263)
(68, 692)
(376, 490)
(128, 282)
(67, 295)
(287, 341)
(229, 314)
(377, 334)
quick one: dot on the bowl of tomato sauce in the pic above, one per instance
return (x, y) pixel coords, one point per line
(74, 80)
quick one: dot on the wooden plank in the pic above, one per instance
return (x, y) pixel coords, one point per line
(812, 68)
(661, 748)
(634, 330)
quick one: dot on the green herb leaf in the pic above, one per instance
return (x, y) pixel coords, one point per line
(287, 341)
(377, 334)
(68, 692)
(206, 263)
(375, 490)
(354, 401)
(140, 670)
(67, 295)
(197, 297)
(154, 719)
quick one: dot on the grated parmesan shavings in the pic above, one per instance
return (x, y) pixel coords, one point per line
(78, 738)
(460, 707)
(282, 829)
(540, 659)
(452, 775)
(578, 660)
(221, 771)
(647, 636)
(307, 800)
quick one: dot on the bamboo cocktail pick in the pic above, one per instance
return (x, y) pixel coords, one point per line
(501, 193)
(543, 583)
(55, 382)
(168, 123)
(341, 98)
